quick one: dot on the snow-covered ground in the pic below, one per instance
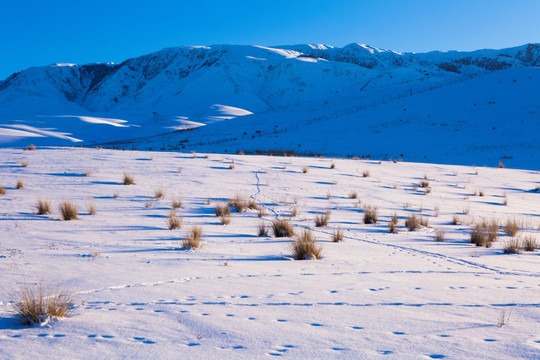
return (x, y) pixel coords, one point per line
(376, 295)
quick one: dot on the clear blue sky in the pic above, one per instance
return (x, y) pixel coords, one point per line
(40, 32)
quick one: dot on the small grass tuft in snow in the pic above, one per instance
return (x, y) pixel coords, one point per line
(262, 212)
(159, 193)
(176, 204)
(282, 228)
(222, 210)
(414, 222)
(529, 242)
(304, 170)
(370, 214)
(294, 211)
(511, 228)
(68, 210)
(43, 206)
(252, 204)
(36, 304)
(19, 184)
(353, 195)
(262, 229)
(512, 246)
(2, 190)
(193, 240)
(440, 234)
(224, 220)
(337, 236)
(238, 202)
(31, 147)
(424, 184)
(333, 165)
(365, 173)
(128, 179)
(456, 220)
(322, 219)
(25, 163)
(91, 207)
(305, 247)
(174, 221)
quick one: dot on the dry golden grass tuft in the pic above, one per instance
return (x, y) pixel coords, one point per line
(511, 227)
(176, 203)
(322, 219)
(424, 184)
(231, 165)
(337, 236)
(484, 233)
(305, 246)
(529, 242)
(512, 246)
(224, 220)
(440, 234)
(370, 214)
(353, 195)
(159, 193)
(91, 207)
(193, 240)
(501, 165)
(262, 212)
(238, 202)
(19, 184)
(43, 206)
(413, 222)
(2, 190)
(25, 163)
(31, 147)
(116, 195)
(222, 209)
(294, 211)
(174, 221)
(304, 170)
(282, 228)
(36, 304)
(333, 165)
(328, 195)
(365, 173)
(252, 204)
(128, 179)
(68, 210)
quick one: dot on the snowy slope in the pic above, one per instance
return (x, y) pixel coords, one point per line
(188, 87)
(241, 296)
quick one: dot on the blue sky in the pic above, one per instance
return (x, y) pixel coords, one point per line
(44, 32)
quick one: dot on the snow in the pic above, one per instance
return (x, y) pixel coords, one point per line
(376, 295)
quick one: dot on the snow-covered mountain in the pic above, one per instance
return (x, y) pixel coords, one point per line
(308, 88)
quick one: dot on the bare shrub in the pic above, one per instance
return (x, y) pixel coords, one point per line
(456, 220)
(91, 207)
(262, 229)
(353, 195)
(481, 193)
(337, 236)
(478, 235)
(43, 206)
(282, 228)
(511, 227)
(529, 243)
(424, 221)
(413, 222)
(222, 209)
(424, 183)
(322, 219)
(68, 210)
(174, 221)
(159, 193)
(512, 246)
(370, 214)
(440, 234)
(128, 179)
(365, 173)
(36, 304)
(224, 220)
(392, 228)
(262, 212)
(193, 240)
(305, 247)
(176, 203)
(20, 184)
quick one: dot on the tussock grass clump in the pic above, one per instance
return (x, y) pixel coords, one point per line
(43, 206)
(294, 211)
(252, 204)
(353, 195)
(116, 195)
(222, 210)
(332, 166)
(304, 170)
(68, 210)
(2, 190)
(148, 204)
(193, 240)
(456, 220)
(238, 202)
(413, 222)
(478, 235)
(262, 229)
(19, 184)
(322, 219)
(337, 236)
(511, 227)
(38, 303)
(224, 220)
(393, 224)
(424, 184)
(305, 246)
(159, 193)
(282, 228)
(529, 243)
(370, 214)
(128, 179)
(176, 204)
(261, 213)
(440, 234)
(174, 221)
(231, 165)
(512, 246)
(365, 173)
(91, 207)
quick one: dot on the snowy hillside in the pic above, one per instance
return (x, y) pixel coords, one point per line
(376, 294)
(257, 88)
